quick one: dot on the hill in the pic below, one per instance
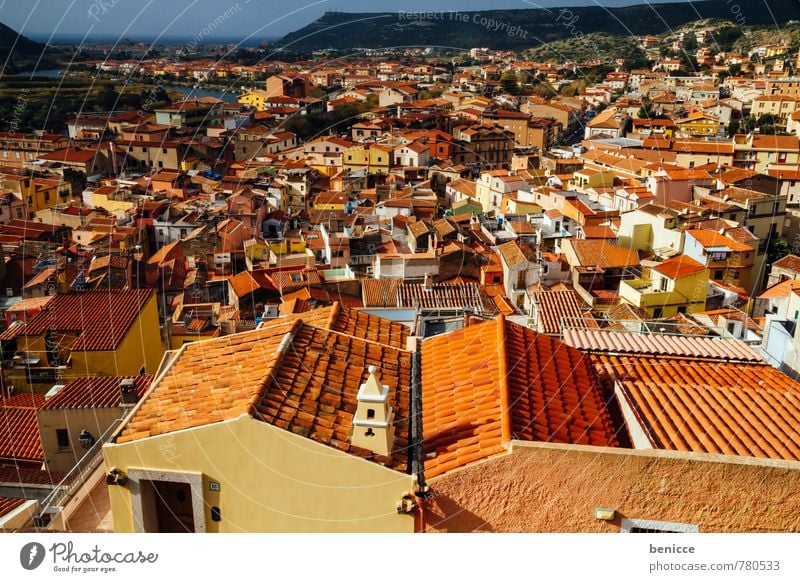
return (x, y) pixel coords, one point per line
(19, 52)
(519, 29)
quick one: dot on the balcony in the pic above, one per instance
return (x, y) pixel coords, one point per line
(642, 293)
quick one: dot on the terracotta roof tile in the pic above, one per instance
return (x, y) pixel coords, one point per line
(556, 306)
(103, 318)
(291, 372)
(211, 381)
(516, 254)
(618, 342)
(679, 267)
(791, 262)
(18, 475)
(379, 292)
(313, 391)
(440, 296)
(601, 253)
(19, 433)
(496, 381)
(95, 392)
(711, 407)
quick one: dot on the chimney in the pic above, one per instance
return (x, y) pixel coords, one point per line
(428, 284)
(373, 427)
(127, 389)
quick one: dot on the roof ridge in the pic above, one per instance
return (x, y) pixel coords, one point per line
(505, 394)
(335, 308)
(272, 368)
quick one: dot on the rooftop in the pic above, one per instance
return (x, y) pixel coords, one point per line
(102, 319)
(496, 381)
(710, 406)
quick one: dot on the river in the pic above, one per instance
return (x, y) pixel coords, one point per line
(227, 96)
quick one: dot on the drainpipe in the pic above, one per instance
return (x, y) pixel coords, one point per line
(415, 449)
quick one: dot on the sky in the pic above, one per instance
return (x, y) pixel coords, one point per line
(236, 19)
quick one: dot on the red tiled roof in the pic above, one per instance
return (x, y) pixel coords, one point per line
(791, 262)
(379, 292)
(17, 475)
(600, 253)
(313, 392)
(710, 238)
(95, 392)
(19, 433)
(292, 375)
(103, 318)
(9, 504)
(496, 381)
(711, 407)
(556, 306)
(211, 381)
(679, 267)
(625, 342)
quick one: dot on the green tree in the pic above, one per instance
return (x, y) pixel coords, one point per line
(509, 83)
(777, 249)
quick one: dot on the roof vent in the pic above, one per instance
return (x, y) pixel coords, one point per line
(373, 427)
(127, 388)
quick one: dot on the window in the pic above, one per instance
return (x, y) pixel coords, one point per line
(682, 309)
(652, 526)
(718, 274)
(658, 312)
(731, 327)
(62, 436)
(164, 150)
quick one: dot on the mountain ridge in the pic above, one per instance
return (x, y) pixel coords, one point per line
(519, 28)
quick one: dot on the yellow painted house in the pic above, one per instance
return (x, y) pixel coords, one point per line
(89, 333)
(312, 439)
(698, 124)
(677, 285)
(256, 99)
(371, 157)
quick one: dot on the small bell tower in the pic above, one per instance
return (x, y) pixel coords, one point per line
(373, 427)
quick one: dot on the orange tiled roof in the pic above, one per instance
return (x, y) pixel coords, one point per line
(516, 254)
(296, 376)
(782, 289)
(711, 407)
(496, 381)
(313, 391)
(791, 262)
(599, 252)
(103, 318)
(19, 432)
(210, 381)
(555, 306)
(679, 267)
(379, 292)
(710, 238)
(95, 392)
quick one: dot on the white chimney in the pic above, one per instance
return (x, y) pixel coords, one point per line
(373, 427)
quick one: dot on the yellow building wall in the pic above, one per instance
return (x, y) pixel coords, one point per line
(689, 292)
(75, 420)
(253, 100)
(374, 160)
(141, 347)
(269, 480)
